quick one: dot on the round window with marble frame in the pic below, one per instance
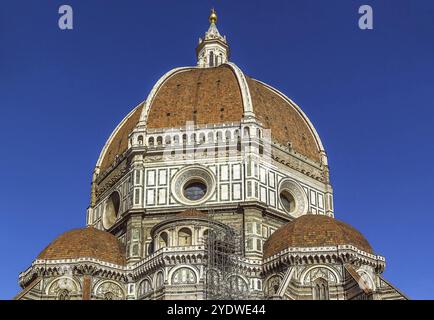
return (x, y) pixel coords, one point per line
(111, 211)
(195, 176)
(294, 202)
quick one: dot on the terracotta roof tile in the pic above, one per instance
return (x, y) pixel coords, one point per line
(201, 95)
(285, 122)
(191, 213)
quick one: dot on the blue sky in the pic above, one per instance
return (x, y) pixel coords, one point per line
(369, 94)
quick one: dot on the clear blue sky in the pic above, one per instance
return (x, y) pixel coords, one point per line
(369, 94)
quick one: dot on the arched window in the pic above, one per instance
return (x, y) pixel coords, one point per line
(210, 137)
(184, 237)
(63, 295)
(163, 240)
(109, 296)
(159, 140)
(168, 140)
(140, 140)
(219, 136)
(202, 138)
(110, 290)
(151, 141)
(205, 236)
(212, 277)
(237, 138)
(184, 276)
(176, 139)
(246, 132)
(145, 287)
(320, 290)
(160, 280)
(237, 134)
(237, 284)
(211, 59)
(228, 136)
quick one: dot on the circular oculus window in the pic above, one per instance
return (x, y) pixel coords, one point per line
(293, 199)
(287, 200)
(194, 190)
(111, 210)
(193, 185)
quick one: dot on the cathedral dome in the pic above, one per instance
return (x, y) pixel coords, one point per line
(218, 95)
(314, 231)
(85, 243)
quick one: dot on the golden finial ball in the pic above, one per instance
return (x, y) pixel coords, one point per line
(213, 17)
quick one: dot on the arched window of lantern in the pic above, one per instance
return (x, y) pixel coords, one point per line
(184, 237)
(211, 59)
(140, 140)
(247, 132)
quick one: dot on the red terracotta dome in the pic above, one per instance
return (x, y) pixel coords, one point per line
(314, 231)
(215, 96)
(85, 243)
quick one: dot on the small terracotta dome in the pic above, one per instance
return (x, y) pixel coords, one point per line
(314, 231)
(191, 213)
(85, 243)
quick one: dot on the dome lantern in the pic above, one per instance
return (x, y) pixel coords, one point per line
(213, 49)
